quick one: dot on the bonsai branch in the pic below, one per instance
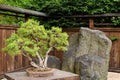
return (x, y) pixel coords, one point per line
(30, 59)
(26, 55)
(34, 38)
(40, 59)
(46, 58)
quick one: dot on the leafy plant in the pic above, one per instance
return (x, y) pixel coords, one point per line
(32, 39)
(10, 20)
(116, 20)
(114, 38)
(75, 7)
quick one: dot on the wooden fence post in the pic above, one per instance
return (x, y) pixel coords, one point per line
(26, 17)
(91, 23)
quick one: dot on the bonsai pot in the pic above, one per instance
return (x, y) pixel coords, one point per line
(34, 72)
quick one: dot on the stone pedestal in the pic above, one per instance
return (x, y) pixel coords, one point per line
(58, 75)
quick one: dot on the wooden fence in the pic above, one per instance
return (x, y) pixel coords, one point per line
(114, 64)
(8, 63)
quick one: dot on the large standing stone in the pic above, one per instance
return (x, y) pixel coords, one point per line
(69, 56)
(88, 55)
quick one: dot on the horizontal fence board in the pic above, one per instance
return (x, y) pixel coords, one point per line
(8, 27)
(108, 29)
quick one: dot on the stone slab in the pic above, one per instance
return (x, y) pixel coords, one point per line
(58, 75)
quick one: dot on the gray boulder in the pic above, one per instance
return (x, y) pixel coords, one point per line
(54, 62)
(69, 56)
(88, 55)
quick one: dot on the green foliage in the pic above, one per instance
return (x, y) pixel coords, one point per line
(12, 45)
(63, 22)
(18, 3)
(1, 1)
(57, 38)
(116, 20)
(32, 37)
(77, 7)
(74, 7)
(114, 38)
(67, 8)
(10, 20)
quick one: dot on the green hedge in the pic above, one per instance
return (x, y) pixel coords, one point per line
(77, 7)
(67, 8)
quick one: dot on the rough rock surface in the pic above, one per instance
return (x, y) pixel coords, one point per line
(54, 62)
(88, 55)
(69, 56)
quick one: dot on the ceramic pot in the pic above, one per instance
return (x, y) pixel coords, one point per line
(39, 73)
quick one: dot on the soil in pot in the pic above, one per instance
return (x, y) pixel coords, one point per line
(35, 72)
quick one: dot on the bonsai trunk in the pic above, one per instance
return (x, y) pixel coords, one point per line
(42, 63)
(30, 59)
(46, 58)
(40, 59)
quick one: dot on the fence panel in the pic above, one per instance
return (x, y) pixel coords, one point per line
(114, 64)
(9, 63)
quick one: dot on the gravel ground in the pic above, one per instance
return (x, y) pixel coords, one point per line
(113, 76)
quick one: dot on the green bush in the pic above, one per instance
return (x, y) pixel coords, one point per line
(67, 8)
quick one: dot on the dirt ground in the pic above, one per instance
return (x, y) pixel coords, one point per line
(113, 76)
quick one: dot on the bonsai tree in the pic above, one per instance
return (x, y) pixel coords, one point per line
(32, 39)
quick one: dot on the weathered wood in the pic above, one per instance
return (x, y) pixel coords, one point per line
(114, 70)
(3, 44)
(91, 23)
(10, 59)
(12, 15)
(26, 17)
(109, 29)
(1, 54)
(9, 63)
(25, 62)
(104, 24)
(71, 30)
(105, 30)
(91, 16)
(58, 75)
(18, 61)
(21, 11)
(7, 27)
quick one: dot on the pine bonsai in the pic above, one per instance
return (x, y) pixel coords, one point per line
(32, 39)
